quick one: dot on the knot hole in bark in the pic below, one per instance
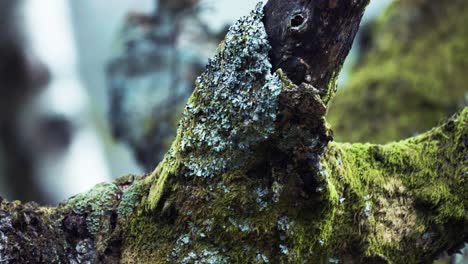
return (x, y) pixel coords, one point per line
(298, 22)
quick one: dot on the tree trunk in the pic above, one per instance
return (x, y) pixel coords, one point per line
(253, 175)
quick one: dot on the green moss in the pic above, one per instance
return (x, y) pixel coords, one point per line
(332, 87)
(237, 219)
(374, 204)
(413, 76)
(166, 169)
(280, 206)
(402, 195)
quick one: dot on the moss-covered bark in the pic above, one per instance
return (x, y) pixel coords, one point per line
(412, 75)
(85, 229)
(253, 177)
(404, 201)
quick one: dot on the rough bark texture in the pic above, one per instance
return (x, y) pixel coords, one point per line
(252, 177)
(311, 39)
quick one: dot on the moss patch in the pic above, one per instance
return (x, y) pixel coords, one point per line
(402, 195)
(413, 76)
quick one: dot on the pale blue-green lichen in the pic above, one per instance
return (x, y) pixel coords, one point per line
(235, 103)
(131, 198)
(95, 204)
(208, 256)
(262, 258)
(283, 224)
(262, 197)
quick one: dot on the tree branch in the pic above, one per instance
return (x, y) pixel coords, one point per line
(403, 202)
(311, 39)
(252, 177)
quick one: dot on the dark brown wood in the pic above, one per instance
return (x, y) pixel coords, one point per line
(310, 39)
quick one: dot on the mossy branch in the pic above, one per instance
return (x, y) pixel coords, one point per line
(404, 202)
(253, 177)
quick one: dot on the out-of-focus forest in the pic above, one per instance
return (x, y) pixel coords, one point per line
(92, 90)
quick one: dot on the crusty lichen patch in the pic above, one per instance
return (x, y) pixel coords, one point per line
(95, 204)
(131, 199)
(234, 105)
(233, 108)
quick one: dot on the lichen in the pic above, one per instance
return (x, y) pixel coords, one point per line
(95, 204)
(277, 199)
(131, 199)
(235, 102)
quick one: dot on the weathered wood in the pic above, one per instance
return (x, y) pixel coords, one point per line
(311, 39)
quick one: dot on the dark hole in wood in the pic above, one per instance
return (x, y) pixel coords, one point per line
(297, 20)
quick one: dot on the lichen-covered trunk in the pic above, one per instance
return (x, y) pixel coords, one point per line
(253, 175)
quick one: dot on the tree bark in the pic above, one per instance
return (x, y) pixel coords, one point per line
(254, 177)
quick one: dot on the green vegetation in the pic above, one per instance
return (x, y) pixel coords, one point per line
(413, 75)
